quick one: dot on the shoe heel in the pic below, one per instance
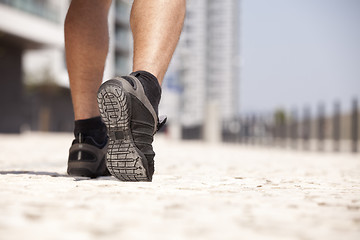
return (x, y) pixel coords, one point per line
(123, 159)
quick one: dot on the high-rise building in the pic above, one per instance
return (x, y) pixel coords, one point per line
(193, 54)
(223, 55)
(206, 64)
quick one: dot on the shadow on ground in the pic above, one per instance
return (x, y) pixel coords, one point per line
(52, 174)
(39, 173)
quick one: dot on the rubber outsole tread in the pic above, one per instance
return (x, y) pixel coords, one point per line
(123, 158)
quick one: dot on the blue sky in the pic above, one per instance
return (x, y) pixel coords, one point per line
(299, 52)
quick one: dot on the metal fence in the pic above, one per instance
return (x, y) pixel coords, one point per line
(299, 128)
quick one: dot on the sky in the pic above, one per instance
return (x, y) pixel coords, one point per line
(299, 52)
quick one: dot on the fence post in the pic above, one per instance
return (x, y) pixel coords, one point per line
(241, 132)
(306, 128)
(252, 129)
(246, 130)
(284, 131)
(336, 126)
(294, 129)
(354, 125)
(280, 127)
(321, 126)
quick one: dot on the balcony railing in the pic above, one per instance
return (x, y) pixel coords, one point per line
(41, 8)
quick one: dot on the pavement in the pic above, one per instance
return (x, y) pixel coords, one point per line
(199, 191)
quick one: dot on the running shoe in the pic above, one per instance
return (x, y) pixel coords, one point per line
(131, 122)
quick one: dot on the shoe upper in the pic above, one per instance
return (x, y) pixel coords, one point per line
(144, 120)
(87, 157)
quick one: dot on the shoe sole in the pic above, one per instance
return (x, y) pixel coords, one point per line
(84, 169)
(124, 159)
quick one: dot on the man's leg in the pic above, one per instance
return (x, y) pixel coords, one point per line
(86, 44)
(128, 105)
(156, 26)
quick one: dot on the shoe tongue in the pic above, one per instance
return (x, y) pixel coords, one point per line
(162, 121)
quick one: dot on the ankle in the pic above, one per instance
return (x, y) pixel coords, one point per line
(151, 87)
(153, 71)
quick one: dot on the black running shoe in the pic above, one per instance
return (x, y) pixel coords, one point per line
(131, 122)
(87, 158)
